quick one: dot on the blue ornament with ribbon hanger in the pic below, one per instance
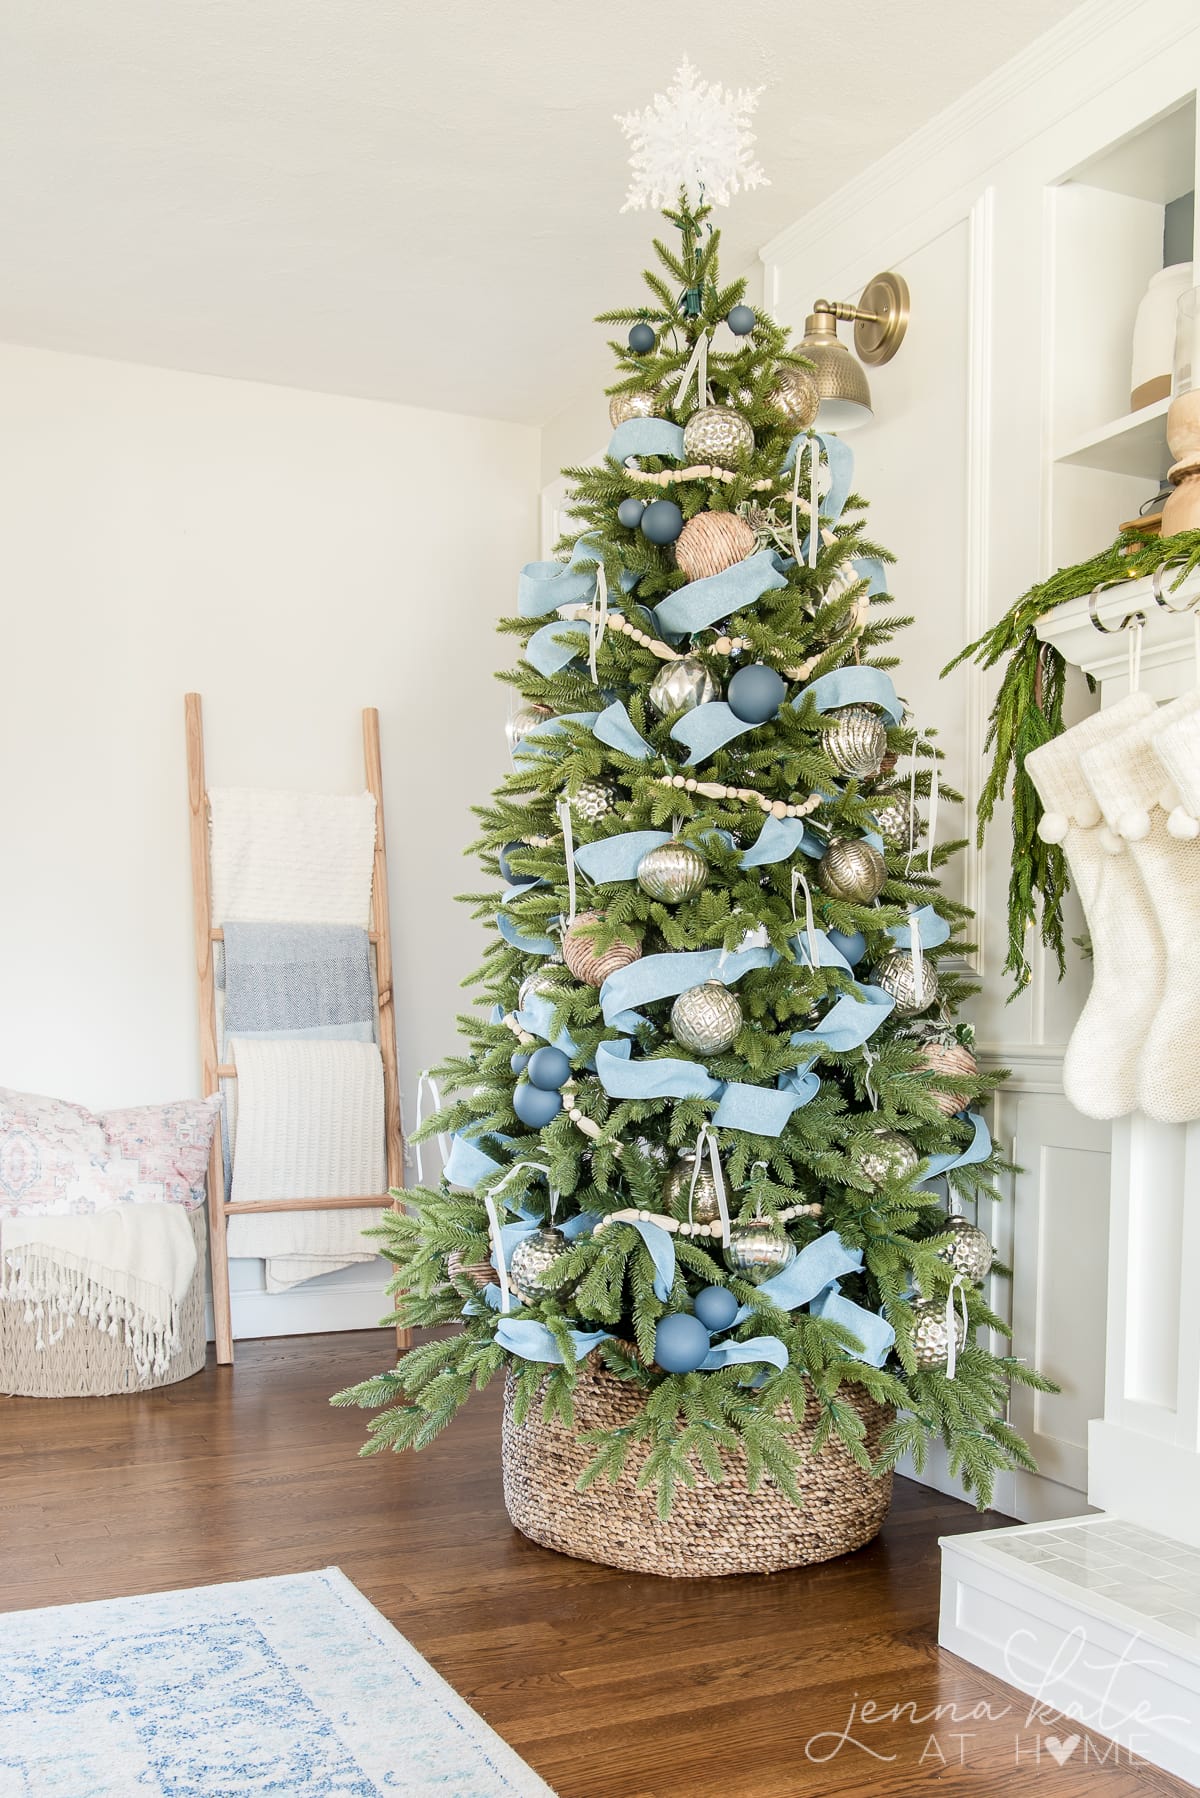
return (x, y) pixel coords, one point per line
(740, 320)
(661, 522)
(642, 339)
(549, 1069)
(755, 693)
(716, 1307)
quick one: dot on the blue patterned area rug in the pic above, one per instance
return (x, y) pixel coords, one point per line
(270, 1688)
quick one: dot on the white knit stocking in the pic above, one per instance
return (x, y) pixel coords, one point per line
(1147, 783)
(1101, 1064)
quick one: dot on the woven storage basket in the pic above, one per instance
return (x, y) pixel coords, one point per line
(87, 1363)
(711, 1529)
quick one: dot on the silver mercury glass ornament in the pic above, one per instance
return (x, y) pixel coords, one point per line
(796, 395)
(624, 406)
(886, 1155)
(910, 992)
(525, 720)
(531, 1261)
(971, 1253)
(682, 685)
(706, 1019)
(677, 1187)
(857, 743)
(930, 1337)
(852, 869)
(539, 983)
(897, 819)
(717, 434)
(758, 1249)
(595, 799)
(672, 872)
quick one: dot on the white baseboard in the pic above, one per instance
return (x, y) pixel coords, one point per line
(354, 1298)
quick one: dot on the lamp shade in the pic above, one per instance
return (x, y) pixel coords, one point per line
(841, 380)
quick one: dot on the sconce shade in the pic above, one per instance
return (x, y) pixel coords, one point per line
(841, 380)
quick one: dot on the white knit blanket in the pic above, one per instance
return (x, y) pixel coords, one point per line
(309, 1125)
(126, 1269)
(306, 857)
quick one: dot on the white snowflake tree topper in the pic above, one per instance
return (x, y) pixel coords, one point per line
(695, 137)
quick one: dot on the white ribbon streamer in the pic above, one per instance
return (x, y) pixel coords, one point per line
(537, 1167)
(1135, 653)
(697, 365)
(597, 619)
(868, 1082)
(498, 1251)
(814, 499)
(957, 1290)
(934, 795)
(918, 952)
(564, 818)
(426, 1079)
(810, 925)
(707, 1139)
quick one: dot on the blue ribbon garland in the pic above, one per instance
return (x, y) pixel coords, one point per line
(544, 586)
(860, 685)
(694, 607)
(646, 437)
(615, 727)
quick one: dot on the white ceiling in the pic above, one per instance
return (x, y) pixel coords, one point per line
(408, 201)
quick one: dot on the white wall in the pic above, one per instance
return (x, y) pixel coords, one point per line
(293, 557)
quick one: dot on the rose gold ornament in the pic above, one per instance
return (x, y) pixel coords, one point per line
(948, 1057)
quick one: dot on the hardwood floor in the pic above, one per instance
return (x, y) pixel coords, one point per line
(612, 1685)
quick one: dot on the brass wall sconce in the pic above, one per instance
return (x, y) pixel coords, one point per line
(880, 321)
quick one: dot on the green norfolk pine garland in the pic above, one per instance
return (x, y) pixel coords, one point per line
(1028, 712)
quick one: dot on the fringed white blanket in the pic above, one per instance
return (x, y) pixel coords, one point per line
(126, 1270)
(306, 857)
(309, 1125)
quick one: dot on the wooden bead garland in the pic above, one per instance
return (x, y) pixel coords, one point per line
(712, 789)
(615, 622)
(631, 1214)
(668, 477)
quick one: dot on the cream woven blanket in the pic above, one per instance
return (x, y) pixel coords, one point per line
(304, 857)
(309, 1125)
(126, 1269)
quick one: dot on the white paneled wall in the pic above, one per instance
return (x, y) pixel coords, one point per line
(1027, 239)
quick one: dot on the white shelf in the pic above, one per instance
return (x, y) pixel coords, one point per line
(1133, 445)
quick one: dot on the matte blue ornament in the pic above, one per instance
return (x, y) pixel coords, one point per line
(548, 1068)
(755, 693)
(535, 1107)
(519, 1062)
(852, 947)
(629, 513)
(740, 321)
(680, 1342)
(716, 1307)
(662, 521)
(509, 874)
(641, 339)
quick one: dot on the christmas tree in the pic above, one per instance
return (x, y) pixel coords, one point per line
(715, 1125)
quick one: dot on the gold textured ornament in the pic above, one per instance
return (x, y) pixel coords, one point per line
(672, 872)
(797, 397)
(706, 1019)
(711, 542)
(857, 743)
(758, 1249)
(912, 990)
(971, 1253)
(717, 435)
(624, 406)
(595, 799)
(527, 719)
(531, 1261)
(852, 869)
(579, 952)
(886, 1155)
(678, 1185)
(946, 1055)
(896, 818)
(930, 1337)
(682, 685)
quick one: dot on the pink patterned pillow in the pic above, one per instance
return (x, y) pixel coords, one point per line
(159, 1153)
(53, 1157)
